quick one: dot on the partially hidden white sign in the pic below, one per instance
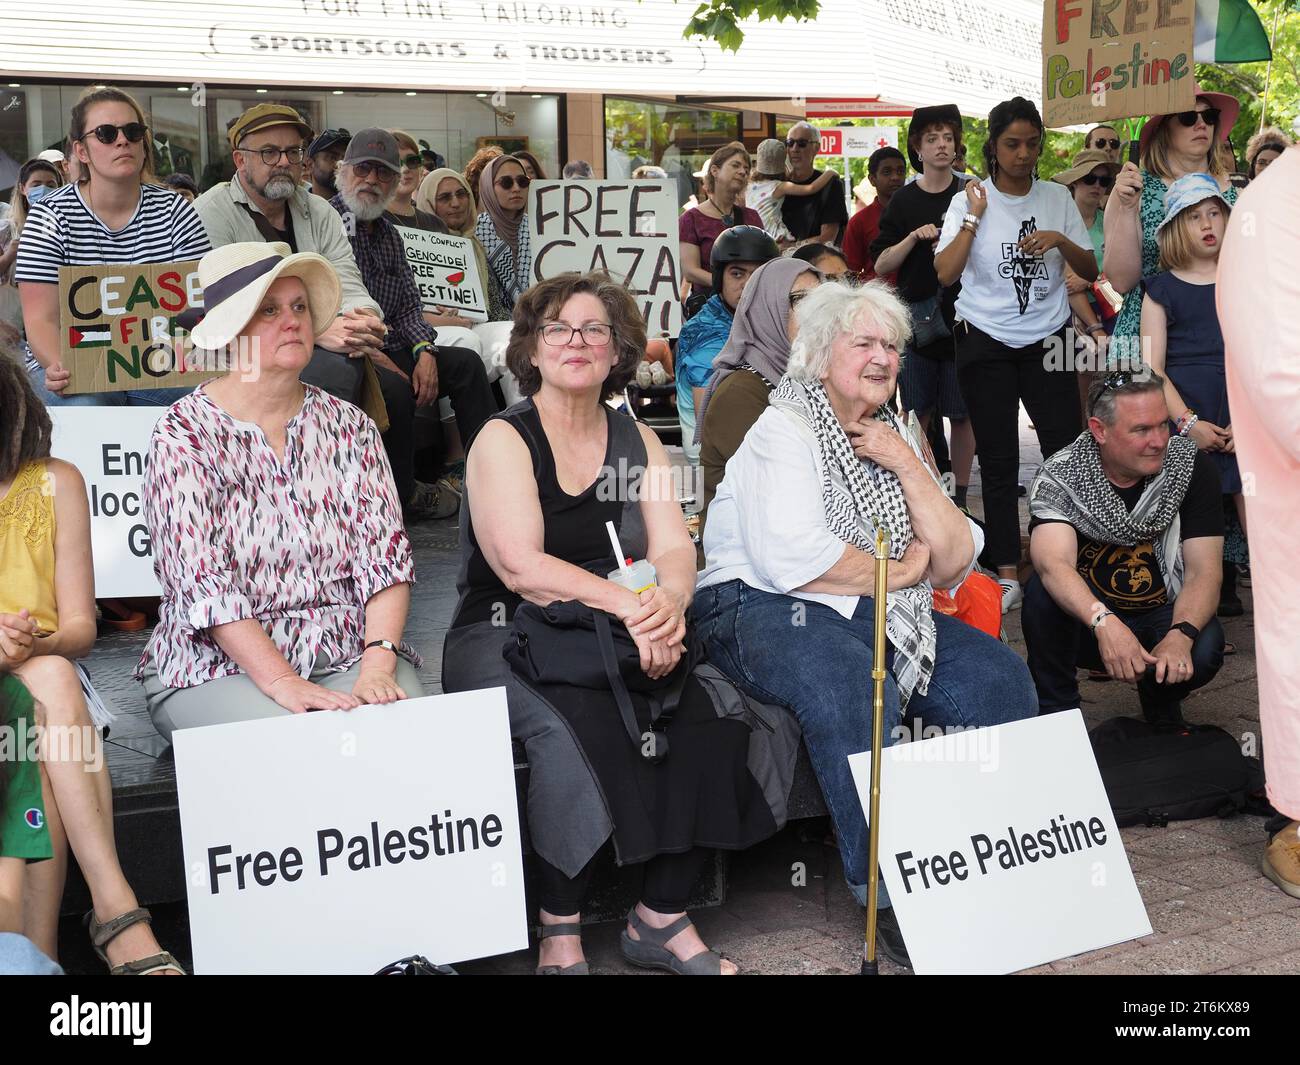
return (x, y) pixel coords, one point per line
(999, 847)
(110, 447)
(337, 842)
(628, 229)
(446, 272)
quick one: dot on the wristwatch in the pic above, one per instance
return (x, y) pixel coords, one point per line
(1187, 629)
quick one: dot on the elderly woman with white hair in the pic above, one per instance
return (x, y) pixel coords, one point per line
(784, 604)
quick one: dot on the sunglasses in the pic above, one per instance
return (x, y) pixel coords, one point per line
(1115, 379)
(510, 181)
(798, 142)
(1210, 114)
(413, 161)
(1107, 142)
(382, 174)
(1104, 180)
(107, 133)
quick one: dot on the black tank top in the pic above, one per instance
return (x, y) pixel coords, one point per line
(574, 525)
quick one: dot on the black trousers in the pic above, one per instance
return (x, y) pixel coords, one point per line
(668, 882)
(462, 378)
(1059, 644)
(994, 380)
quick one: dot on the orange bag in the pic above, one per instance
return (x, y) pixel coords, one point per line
(978, 603)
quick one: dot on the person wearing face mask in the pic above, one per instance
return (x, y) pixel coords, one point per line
(403, 211)
(36, 179)
(114, 214)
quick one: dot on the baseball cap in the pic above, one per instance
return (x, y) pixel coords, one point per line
(52, 155)
(329, 139)
(263, 116)
(374, 145)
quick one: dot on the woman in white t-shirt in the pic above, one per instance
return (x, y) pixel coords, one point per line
(112, 214)
(1008, 240)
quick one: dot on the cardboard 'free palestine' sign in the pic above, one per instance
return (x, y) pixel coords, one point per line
(1106, 59)
(628, 229)
(446, 272)
(118, 328)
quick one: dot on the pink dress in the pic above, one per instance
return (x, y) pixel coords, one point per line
(1258, 295)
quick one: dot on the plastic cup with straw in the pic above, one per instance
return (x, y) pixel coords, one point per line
(635, 576)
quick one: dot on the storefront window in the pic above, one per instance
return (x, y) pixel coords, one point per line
(679, 139)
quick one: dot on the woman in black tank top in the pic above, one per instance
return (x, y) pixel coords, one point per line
(542, 479)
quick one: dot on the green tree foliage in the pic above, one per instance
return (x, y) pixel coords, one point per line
(720, 20)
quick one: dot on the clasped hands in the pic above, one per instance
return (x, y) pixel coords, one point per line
(656, 621)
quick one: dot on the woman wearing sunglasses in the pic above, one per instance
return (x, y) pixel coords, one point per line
(402, 210)
(1170, 146)
(114, 213)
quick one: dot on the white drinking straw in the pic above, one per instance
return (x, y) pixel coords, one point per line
(618, 548)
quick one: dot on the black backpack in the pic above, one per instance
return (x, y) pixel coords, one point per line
(1154, 775)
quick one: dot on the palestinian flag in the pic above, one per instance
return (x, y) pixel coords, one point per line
(89, 336)
(1229, 31)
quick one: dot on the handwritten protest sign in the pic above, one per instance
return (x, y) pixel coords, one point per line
(626, 228)
(446, 272)
(1116, 58)
(118, 330)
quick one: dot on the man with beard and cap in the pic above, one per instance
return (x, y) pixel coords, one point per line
(323, 155)
(265, 202)
(412, 369)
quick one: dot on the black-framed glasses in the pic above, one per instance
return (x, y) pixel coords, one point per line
(797, 142)
(455, 194)
(1113, 380)
(1107, 142)
(1104, 180)
(1210, 114)
(510, 181)
(270, 155)
(365, 168)
(107, 133)
(558, 334)
(413, 161)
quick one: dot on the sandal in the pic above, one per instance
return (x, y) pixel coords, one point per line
(650, 952)
(572, 928)
(103, 934)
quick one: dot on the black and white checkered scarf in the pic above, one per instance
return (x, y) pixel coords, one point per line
(859, 496)
(1073, 487)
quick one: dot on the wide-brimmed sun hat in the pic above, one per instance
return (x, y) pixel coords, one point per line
(1085, 162)
(235, 278)
(1229, 108)
(1188, 191)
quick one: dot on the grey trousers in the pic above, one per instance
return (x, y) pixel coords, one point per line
(237, 698)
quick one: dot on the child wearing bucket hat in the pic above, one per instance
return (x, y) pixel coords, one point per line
(768, 189)
(1185, 343)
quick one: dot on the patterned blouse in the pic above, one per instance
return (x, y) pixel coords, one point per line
(299, 545)
(1151, 212)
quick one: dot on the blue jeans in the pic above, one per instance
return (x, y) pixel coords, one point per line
(158, 397)
(818, 663)
(19, 957)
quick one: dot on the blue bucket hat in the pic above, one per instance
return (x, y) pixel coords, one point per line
(1188, 191)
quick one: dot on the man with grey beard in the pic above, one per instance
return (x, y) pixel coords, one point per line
(367, 180)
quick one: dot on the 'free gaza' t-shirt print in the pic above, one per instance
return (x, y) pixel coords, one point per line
(1026, 273)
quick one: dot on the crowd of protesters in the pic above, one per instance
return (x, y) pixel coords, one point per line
(818, 361)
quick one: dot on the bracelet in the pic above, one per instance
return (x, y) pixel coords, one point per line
(1096, 328)
(1185, 429)
(971, 227)
(387, 645)
(972, 218)
(421, 347)
(1098, 619)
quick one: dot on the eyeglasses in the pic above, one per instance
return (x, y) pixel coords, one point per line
(413, 161)
(1114, 379)
(364, 169)
(798, 142)
(107, 133)
(1107, 142)
(1104, 180)
(270, 155)
(1188, 118)
(510, 181)
(558, 334)
(455, 194)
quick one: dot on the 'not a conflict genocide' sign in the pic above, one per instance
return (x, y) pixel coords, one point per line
(446, 272)
(118, 329)
(626, 228)
(342, 841)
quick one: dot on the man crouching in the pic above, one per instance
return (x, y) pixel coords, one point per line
(1126, 537)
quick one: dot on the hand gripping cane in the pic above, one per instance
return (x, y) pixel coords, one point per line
(870, 967)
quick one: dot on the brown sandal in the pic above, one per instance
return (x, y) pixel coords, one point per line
(103, 934)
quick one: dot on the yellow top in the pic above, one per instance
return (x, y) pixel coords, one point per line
(27, 547)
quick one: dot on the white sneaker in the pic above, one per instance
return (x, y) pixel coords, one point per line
(643, 375)
(1011, 594)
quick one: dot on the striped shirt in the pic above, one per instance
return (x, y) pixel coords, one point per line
(62, 231)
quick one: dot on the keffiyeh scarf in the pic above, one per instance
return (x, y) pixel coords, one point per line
(510, 269)
(1073, 487)
(858, 496)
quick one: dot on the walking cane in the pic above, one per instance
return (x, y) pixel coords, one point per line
(870, 967)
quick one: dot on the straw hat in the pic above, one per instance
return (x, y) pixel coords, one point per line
(235, 279)
(1085, 162)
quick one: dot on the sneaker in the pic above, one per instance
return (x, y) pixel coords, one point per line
(644, 376)
(1011, 594)
(889, 939)
(431, 501)
(1243, 574)
(1281, 860)
(453, 479)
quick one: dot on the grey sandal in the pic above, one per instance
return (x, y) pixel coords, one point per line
(650, 952)
(578, 968)
(103, 934)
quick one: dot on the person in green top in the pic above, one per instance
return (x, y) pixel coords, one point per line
(1089, 179)
(24, 836)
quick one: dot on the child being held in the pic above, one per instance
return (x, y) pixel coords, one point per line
(768, 189)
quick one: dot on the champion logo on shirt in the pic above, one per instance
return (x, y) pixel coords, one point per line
(1022, 268)
(34, 817)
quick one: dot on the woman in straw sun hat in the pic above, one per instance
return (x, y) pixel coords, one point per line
(277, 529)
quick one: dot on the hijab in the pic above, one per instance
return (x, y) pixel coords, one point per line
(428, 191)
(507, 228)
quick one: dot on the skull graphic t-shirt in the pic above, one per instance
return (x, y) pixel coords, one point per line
(1010, 294)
